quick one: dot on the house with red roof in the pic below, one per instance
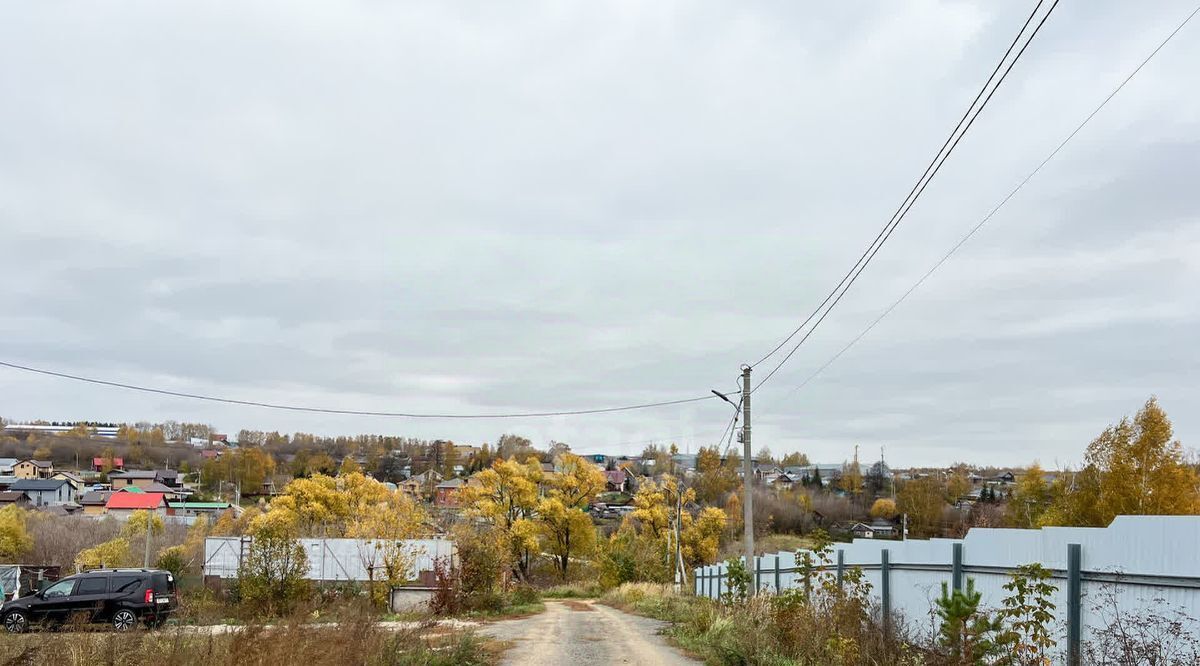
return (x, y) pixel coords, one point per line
(121, 505)
(118, 464)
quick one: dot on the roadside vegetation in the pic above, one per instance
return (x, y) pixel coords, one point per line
(293, 640)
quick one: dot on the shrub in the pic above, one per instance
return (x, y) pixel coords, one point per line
(737, 581)
(1028, 614)
(272, 575)
(573, 591)
(172, 559)
(524, 595)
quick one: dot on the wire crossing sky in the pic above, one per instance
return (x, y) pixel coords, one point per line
(412, 209)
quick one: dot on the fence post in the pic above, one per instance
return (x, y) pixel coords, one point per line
(1074, 603)
(956, 568)
(885, 592)
(777, 588)
(720, 579)
(757, 571)
(841, 566)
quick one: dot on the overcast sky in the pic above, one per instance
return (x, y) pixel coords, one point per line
(480, 207)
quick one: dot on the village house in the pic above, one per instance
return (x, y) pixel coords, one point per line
(33, 469)
(121, 505)
(616, 480)
(145, 478)
(45, 492)
(420, 485)
(93, 502)
(446, 492)
(6, 466)
(98, 464)
(15, 497)
(70, 477)
(862, 531)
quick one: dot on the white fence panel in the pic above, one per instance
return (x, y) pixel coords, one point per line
(328, 559)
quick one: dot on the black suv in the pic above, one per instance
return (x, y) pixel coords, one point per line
(120, 597)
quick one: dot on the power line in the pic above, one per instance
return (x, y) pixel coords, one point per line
(1000, 205)
(930, 166)
(874, 250)
(352, 412)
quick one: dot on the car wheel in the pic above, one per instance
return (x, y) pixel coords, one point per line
(16, 622)
(124, 620)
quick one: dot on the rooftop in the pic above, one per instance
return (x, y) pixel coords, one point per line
(38, 484)
(95, 498)
(199, 505)
(134, 474)
(135, 501)
(39, 463)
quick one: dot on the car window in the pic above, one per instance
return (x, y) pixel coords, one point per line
(164, 582)
(60, 589)
(93, 585)
(126, 584)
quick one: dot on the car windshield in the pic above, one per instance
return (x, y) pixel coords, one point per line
(59, 589)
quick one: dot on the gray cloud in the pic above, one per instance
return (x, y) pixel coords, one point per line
(461, 208)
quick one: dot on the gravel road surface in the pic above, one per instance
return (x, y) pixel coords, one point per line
(578, 633)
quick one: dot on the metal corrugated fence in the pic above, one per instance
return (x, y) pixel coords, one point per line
(1137, 563)
(328, 559)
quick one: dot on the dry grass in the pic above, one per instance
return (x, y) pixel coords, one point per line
(357, 641)
(573, 591)
(766, 630)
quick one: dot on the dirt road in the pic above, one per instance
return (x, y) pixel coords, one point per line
(578, 633)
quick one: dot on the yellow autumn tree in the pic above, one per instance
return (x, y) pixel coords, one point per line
(652, 522)
(1030, 498)
(958, 484)
(351, 506)
(851, 481)
(113, 553)
(713, 479)
(1133, 468)
(14, 536)
(923, 501)
(567, 528)
(700, 537)
(884, 508)
(385, 523)
(506, 496)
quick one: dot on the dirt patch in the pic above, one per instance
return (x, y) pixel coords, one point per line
(578, 606)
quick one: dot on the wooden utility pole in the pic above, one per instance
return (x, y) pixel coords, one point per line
(748, 473)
